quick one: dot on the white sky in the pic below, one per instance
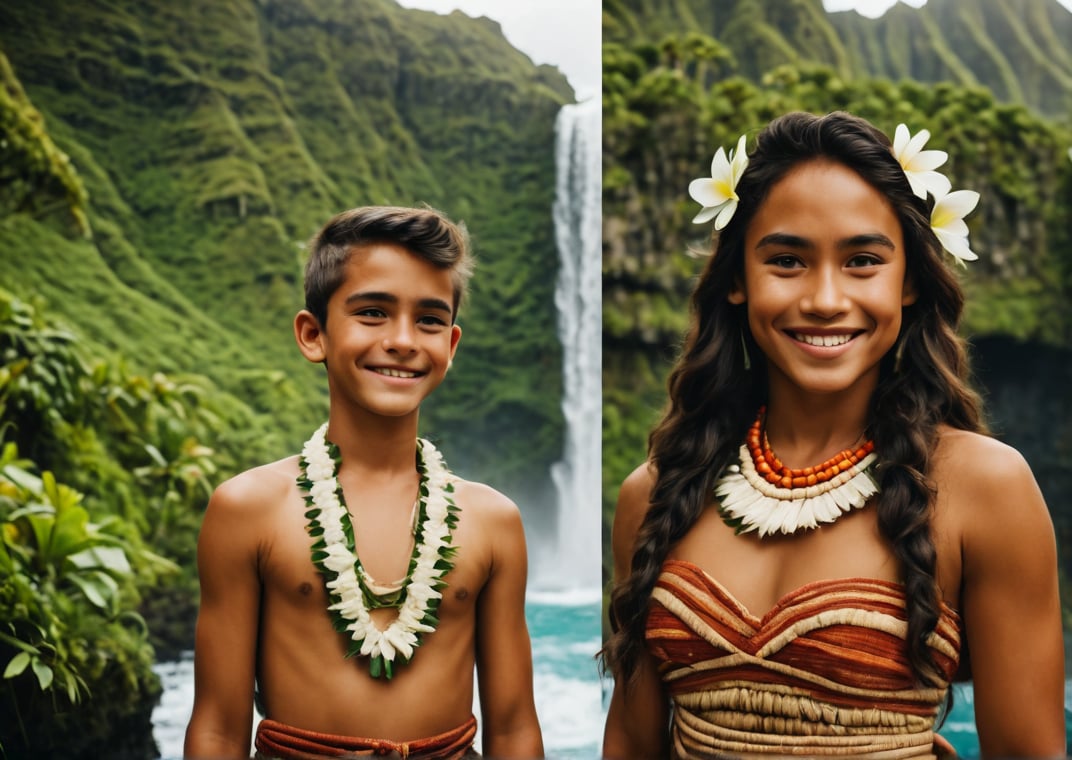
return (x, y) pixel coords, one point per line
(875, 8)
(563, 33)
(870, 8)
(566, 33)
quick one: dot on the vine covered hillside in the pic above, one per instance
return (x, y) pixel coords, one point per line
(1018, 49)
(161, 167)
(669, 104)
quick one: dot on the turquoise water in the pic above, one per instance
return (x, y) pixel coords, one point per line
(565, 632)
(959, 726)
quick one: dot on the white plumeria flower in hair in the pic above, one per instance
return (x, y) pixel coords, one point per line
(947, 221)
(718, 193)
(919, 164)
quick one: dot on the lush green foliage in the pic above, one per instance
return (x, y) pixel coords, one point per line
(210, 141)
(104, 474)
(73, 561)
(71, 633)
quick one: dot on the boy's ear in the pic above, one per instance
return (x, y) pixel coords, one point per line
(737, 295)
(309, 335)
(455, 336)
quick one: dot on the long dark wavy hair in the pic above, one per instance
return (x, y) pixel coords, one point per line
(714, 397)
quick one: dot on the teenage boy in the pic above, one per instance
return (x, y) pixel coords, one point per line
(359, 584)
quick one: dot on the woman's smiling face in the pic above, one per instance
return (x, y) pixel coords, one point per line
(824, 279)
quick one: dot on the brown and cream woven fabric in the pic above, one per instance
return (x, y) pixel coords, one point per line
(823, 674)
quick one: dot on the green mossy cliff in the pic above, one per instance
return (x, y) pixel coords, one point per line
(1018, 49)
(213, 138)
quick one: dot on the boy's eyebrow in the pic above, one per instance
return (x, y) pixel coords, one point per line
(786, 240)
(437, 304)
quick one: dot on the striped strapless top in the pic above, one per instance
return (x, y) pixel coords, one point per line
(824, 673)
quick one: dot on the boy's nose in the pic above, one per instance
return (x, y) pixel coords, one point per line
(401, 339)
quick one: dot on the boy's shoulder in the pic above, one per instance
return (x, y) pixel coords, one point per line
(488, 518)
(257, 487)
(482, 501)
(490, 533)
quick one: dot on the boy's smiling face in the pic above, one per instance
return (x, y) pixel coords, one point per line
(388, 337)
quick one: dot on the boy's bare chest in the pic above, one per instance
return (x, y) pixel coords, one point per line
(298, 645)
(291, 580)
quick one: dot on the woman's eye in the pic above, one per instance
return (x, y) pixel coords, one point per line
(863, 260)
(784, 261)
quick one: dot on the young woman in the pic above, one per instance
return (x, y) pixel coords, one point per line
(823, 536)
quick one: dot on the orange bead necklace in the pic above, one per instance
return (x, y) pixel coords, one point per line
(771, 468)
(759, 493)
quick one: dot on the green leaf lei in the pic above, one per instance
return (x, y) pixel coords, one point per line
(334, 555)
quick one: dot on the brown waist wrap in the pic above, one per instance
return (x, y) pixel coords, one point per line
(278, 741)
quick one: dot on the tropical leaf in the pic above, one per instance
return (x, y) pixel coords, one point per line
(156, 456)
(70, 534)
(43, 672)
(100, 588)
(110, 558)
(6, 563)
(17, 664)
(20, 476)
(18, 643)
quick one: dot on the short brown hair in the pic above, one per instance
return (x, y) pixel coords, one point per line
(425, 232)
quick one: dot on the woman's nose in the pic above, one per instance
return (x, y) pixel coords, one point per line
(826, 296)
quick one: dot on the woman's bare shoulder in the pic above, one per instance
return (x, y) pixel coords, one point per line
(985, 485)
(978, 465)
(634, 500)
(965, 451)
(635, 493)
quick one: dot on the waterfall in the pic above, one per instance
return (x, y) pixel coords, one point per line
(575, 559)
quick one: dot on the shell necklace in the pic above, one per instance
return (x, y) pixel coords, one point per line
(336, 558)
(761, 494)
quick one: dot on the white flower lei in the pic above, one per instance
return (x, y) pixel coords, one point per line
(334, 555)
